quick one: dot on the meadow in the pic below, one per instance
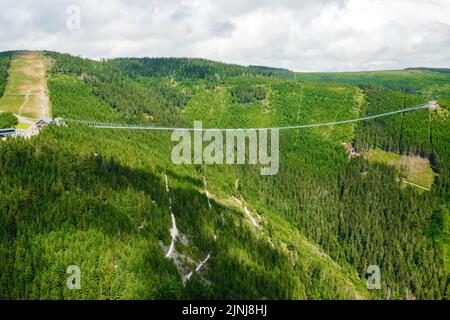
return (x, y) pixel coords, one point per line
(26, 85)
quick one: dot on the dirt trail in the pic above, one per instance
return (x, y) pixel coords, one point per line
(247, 212)
(25, 101)
(207, 193)
(45, 104)
(414, 184)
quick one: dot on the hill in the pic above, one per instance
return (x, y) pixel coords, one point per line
(102, 199)
(428, 82)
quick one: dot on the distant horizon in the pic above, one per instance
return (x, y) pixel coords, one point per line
(225, 62)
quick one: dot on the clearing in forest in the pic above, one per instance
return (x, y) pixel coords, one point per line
(416, 171)
(26, 92)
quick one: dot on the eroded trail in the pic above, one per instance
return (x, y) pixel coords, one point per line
(24, 103)
(202, 263)
(173, 231)
(183, 262)
(248, 213)
(198, 268)
(207, 193)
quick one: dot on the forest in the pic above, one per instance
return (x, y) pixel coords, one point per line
(5, 58)
(7, 120)
(99, 198)
(432, 83)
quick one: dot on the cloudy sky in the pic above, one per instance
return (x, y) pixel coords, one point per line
(303, 35)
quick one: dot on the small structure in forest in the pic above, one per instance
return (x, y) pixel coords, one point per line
(433, 105)
(350, 149)
(42, 123)
(38, 126)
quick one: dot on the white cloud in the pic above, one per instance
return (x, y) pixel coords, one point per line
(316, 35)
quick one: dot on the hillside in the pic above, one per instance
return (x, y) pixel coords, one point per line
(5, 58)
(99, 198)
(26, 94)
(428, 82)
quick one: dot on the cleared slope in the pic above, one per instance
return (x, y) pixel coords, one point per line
(26, 92)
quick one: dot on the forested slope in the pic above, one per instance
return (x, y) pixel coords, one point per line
(97, 198)
(5, 58)
(428, 82)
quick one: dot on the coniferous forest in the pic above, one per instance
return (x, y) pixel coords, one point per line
(98, 199)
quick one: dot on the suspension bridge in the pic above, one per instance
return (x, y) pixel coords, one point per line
(103, 125)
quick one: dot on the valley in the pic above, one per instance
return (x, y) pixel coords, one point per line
(141, 227)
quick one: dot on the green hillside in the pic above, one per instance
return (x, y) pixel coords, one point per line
(5, 58)
(431, 83)
(97, 198)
